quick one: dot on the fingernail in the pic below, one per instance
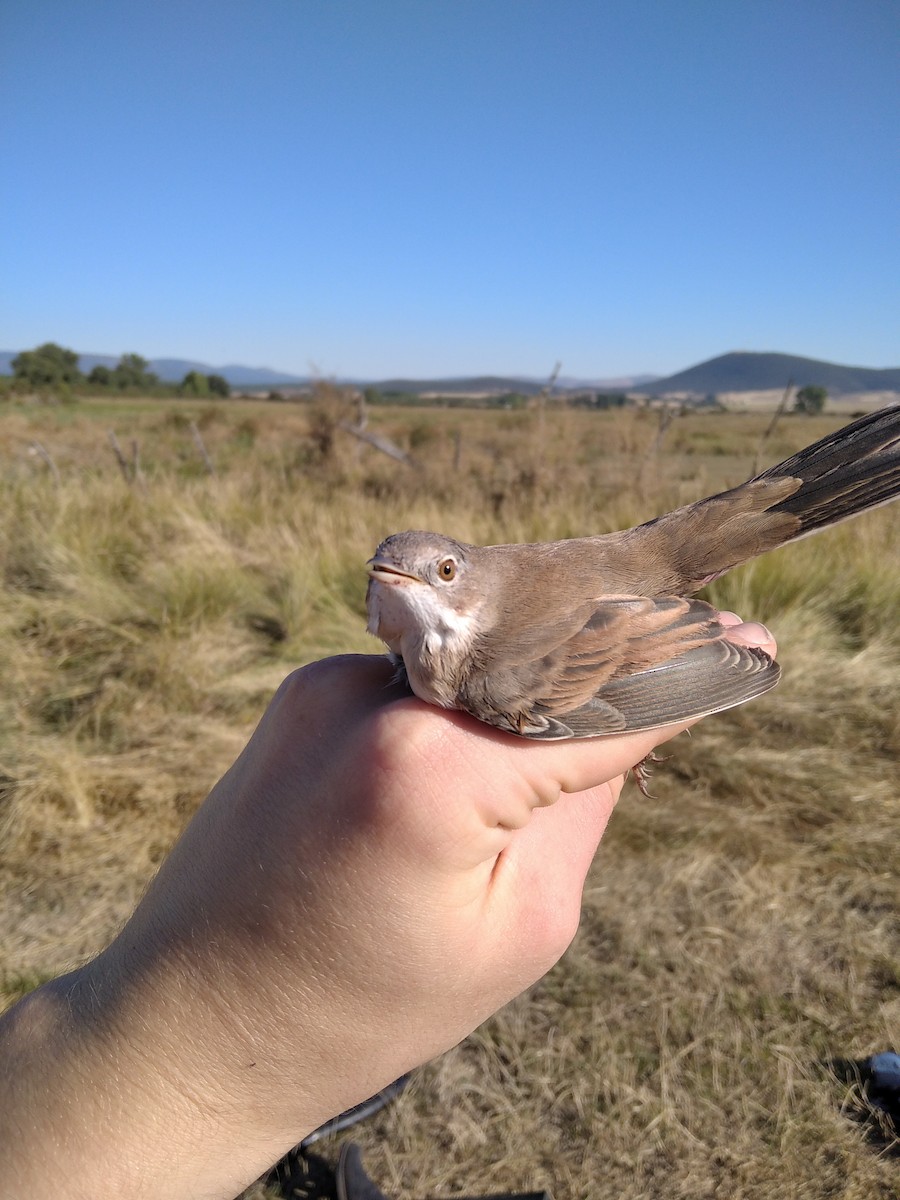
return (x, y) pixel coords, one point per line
(729, 618)
(753, 634)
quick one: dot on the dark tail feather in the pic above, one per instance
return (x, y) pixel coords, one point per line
(851, 470)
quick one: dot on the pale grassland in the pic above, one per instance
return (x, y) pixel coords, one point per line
(740, 929)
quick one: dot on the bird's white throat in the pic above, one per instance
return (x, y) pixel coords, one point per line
(431, 637)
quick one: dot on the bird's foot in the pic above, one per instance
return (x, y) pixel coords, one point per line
(641, 771)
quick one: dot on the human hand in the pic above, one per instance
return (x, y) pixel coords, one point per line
(369, 881)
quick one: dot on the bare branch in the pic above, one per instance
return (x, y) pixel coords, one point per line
(551, 381)
(770, 428)
(42, 452)
(201, 448)
(120, 457)
(380, 442)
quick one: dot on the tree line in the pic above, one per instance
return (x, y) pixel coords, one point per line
(54, 369)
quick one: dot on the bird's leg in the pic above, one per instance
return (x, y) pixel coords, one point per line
(641, 771)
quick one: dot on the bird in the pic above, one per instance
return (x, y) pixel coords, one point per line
(601, 635)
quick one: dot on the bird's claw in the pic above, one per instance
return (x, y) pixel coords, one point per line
(641, 771)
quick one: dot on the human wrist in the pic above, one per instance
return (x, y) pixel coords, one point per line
(122, 1089)
(69, 1095)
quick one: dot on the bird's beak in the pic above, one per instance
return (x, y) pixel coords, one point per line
(388, 572)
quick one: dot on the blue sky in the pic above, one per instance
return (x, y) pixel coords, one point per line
(430, 187)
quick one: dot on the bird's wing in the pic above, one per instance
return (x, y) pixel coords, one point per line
(636, 663)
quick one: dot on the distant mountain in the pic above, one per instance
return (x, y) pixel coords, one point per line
(574, 383)
(742, 371)
(173, 370)
(524, 385)
(459, 385)
(620, 383)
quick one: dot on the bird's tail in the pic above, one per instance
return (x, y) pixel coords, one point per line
(852, 470)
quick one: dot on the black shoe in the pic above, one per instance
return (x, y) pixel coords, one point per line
(354, 1184)
(351, 1180)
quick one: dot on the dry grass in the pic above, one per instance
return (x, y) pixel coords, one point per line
(739, 930)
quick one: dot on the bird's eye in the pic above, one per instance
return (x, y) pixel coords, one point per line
(447, 569)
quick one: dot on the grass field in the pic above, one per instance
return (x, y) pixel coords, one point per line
(740, 929)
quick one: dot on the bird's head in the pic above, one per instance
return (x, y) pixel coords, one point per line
(421, 591)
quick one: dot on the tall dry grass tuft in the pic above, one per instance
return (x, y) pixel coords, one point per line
(740, 929)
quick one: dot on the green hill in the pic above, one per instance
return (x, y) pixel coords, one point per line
(742, 371)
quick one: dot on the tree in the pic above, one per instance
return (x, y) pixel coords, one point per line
(195, 384)
(49, 366)
(810, 399)
(100, 376)
(218, 385)
(132, 372)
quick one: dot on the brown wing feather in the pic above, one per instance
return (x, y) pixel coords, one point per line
(705, 679)
(623, 636)
(635, 663)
